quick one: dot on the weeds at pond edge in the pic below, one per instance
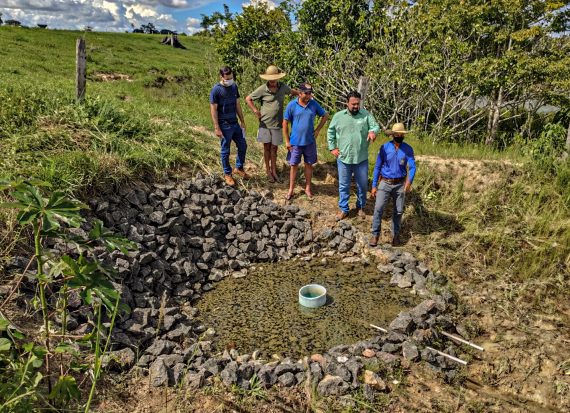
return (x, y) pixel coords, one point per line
(26, 364)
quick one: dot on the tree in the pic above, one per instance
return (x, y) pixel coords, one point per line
(254, 34)
(149, 28)
(0, 19)
(215, 23)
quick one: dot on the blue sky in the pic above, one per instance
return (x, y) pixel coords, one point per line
(116, 15)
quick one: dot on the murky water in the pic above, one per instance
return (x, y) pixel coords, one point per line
(262, 310)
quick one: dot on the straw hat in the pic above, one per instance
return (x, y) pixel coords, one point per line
(272, 73)
(397, 128)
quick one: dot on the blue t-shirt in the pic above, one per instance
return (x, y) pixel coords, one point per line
(394, 163)
(302, 121)
(225, 98)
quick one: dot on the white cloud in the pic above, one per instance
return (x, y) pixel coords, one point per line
(270, 4)
(102, 15)
(193, 25)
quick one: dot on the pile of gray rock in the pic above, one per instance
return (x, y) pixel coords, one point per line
(190, 235)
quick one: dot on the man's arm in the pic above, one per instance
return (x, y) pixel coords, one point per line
(322, 122)
(285, 126)
(376, 174)
(373, 127)
(240, 114)
(249, 101)
(214, 114)
(411, 171)
(332, 138)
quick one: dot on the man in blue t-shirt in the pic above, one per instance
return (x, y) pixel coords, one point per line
(394, 173)
(225, 109)
(301, 113)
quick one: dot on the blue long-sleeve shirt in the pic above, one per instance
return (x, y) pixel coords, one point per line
(394, 163)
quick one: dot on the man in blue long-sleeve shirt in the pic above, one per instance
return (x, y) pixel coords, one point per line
(393, 176)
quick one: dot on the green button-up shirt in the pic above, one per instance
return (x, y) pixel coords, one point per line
(349, 134)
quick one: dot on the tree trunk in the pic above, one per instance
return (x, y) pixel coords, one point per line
(495, 112)
(494, 118)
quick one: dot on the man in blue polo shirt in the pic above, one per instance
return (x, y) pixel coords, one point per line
(301, 113)
(395, 170)
(225, 109)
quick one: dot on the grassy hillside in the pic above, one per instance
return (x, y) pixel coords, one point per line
(143, 103)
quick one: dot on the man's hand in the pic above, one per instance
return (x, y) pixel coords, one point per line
(407, 186)
(218, 132)
(371, 136)
(242, 125)
(373, 192)
(288, 145)
(258, 114)
(335, 152)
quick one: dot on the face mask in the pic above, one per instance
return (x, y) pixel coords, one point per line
(354, 112)
(227, 83)
(398, 139)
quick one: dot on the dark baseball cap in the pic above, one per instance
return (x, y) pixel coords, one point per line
(305, 87)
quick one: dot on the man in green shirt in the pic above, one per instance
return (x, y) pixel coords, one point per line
(270, 97)
(349, 134)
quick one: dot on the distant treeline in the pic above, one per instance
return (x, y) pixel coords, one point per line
(468, 70)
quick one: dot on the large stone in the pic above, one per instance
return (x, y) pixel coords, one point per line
(158, 373)
(194, 380)
(374, 380)
(410, 351)
(316, 373)
(267, 377)
(403, 323)
(287, 379)
(120, 360)
(332, 386)
(159, 347)
(230, 374)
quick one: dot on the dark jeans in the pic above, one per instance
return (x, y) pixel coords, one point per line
(385, 192)
(232, 132)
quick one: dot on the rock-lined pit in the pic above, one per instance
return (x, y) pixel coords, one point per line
(261, 310)
(191, 235)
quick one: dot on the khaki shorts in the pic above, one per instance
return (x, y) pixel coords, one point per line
(273, 136)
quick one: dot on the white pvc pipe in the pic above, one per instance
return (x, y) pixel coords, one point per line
(448, 356)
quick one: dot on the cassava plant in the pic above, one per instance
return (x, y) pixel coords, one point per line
(26, 364)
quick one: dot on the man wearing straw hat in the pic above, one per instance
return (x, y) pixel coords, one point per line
(393, 176)
(270, 97)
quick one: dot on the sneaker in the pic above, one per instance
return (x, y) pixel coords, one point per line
(341, 215)
(229, 180)
(396, 241)
(360, 213)
(241, 173)
(374, 240)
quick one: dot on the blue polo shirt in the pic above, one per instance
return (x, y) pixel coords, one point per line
(393, 163)
(302, 121)
(225, 98)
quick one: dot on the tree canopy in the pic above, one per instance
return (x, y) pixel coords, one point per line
(461, 70)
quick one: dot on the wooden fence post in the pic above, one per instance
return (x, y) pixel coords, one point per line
(81, 70)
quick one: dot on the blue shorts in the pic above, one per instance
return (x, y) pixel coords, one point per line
(309, 153)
